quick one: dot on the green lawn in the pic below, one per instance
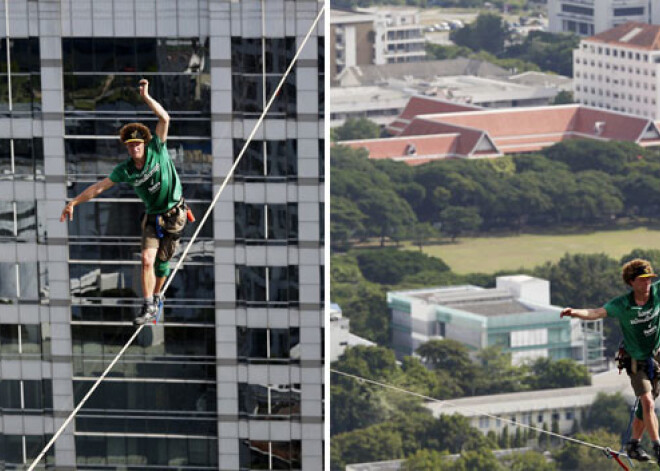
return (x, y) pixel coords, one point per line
(490, 254)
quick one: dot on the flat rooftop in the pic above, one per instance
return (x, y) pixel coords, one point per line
(486, 302)
(609, 382)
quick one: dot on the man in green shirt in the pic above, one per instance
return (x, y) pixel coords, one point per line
(151, 172)
(638, 313)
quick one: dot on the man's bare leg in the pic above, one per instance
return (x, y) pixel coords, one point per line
(637, 429)
(160, 282)
(650, 419)
(148, 275)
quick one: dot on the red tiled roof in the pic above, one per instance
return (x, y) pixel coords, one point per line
(647, 36)
(515, 121)
(512, 130)
(410, 149)
(418, 105)
(616, 126)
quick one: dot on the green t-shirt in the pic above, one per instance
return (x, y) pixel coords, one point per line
(157, 183)
(640, 324)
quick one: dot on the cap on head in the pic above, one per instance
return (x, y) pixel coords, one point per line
(134, 132)
(637, 268)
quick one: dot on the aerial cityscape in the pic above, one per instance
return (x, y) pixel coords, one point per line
(495, 183)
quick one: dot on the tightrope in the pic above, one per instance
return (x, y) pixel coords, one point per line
(185, 252)
(605, 450)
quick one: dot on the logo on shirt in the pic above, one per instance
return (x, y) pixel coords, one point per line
(139, 181)
(645, 316)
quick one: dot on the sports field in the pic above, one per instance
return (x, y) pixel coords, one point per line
(490, 254)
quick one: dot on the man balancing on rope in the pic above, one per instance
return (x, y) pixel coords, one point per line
(638, 313)
(153, 176)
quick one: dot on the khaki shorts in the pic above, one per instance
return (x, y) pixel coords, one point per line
(172, 225)
(640, 381)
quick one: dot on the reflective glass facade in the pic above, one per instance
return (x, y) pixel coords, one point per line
(233, 377)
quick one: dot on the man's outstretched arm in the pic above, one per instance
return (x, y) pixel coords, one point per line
(163, 118)
(89, 193)
(584, 314)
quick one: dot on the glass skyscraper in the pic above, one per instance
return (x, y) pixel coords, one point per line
(233, 377)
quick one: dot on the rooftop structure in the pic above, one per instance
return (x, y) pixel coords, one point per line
(364, 75)
(430, 129)
(381, 102)
(516, 315)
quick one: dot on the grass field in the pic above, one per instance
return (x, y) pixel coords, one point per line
(490, 254)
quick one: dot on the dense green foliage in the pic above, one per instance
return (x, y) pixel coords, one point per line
(390, 266)
(577, 183)
(355, 128)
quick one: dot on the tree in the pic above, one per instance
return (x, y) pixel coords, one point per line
(390, 266)
(488, 32)
(347, 222)
(572, 456)
(422, 232)
(367, 309)
(564, 97)
(531, 460)
(450, 356)
(356, 128)
(458, 220)
(428, 460)
(478, 460)
(551, 52)
(505, 438)
(609, 412)
(501, 376)
(375, 443)
(564, 373)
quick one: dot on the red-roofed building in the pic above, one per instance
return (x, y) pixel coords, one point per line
(618, 70)
(484, 133)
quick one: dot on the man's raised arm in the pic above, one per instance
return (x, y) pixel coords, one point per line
(163, 118)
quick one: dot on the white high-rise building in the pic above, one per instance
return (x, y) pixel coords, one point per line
(618, 70)
(588, 17)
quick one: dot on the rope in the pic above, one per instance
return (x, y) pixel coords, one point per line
(183, 256)
(478, 412)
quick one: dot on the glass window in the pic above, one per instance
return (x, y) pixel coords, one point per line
(147, 451)
(21, 159)
(249, 72)
(269, 401)
(22, 338)
(273, 344)
(122, 219)
(264, 285)
(266, 223)
(256, 454)
(281, 159)
(173, 342)
(23, 281)
(193, 281)
(166, 398)
(25, 75)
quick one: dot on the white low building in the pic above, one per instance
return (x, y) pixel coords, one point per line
(535, 408)
(340, 334)
(516, 315)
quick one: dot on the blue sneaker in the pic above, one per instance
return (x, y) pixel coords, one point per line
(159, 300)
(148, 313)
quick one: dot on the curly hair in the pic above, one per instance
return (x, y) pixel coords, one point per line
(134, 131)
(635, 268)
